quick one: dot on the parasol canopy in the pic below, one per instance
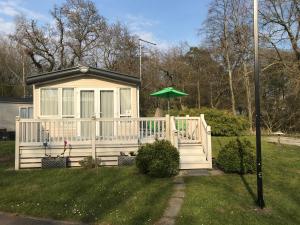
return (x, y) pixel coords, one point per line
(168, 93)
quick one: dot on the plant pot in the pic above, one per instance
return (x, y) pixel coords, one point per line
(124, 160)
(54, 162)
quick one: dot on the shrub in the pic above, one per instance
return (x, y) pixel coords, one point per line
(88, 162)
(160, 159)
(222, 122)
(237, 157)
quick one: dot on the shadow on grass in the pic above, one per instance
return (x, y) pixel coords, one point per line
(248, 188)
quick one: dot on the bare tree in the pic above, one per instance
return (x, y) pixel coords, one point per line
(281, 30)
(220, 29)
(69, 41)
(14, 66)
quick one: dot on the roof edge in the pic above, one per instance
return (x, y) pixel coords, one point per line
(69, 72)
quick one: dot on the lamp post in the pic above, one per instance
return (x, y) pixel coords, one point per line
(260, 197)
(140, 49)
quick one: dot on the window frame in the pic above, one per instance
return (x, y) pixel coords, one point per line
(58, 103)
(27, 112)
(126, 114)
(61, 103)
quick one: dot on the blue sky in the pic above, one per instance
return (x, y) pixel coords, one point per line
(166, 22)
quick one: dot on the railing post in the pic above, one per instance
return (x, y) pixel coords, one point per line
(187, 127)
(93, 134)
(17, 144)
(168, 127)
(209, 149)
(202, 131)
(172, 121)
(175, 139)
(202, 116)
(199, 130)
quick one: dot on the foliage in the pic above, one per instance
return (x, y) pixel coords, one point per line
(237, 157)
(160, 159)
(88, 162)
(88, 39)
(222, 122)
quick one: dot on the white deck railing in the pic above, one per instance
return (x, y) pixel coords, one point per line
(188, 129)
(55, 131)
(92, 133)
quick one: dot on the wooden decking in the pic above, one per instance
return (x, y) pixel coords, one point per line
(106, 138)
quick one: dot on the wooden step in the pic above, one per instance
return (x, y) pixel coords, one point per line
(200, 165)
(196, 153)
(180, 145)
(192, 159)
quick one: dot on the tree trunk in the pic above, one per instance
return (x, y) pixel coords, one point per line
(23, 74)
(230, 84)
(198, 90)
(248, 95)
(211, 97)
(231, 92)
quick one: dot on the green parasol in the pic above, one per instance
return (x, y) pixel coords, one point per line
(168, 93)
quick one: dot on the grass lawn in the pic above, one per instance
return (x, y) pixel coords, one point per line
(109, 196)
(229, 199)
(7, 154)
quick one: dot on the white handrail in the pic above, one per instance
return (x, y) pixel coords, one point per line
(174, 132)
(205, 131)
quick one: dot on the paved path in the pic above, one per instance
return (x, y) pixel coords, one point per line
(285, 140)
(14, 219)
(200, 172)
(175, 203)
(176, 200)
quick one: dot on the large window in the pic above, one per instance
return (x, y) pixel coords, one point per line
(125, 102)
(68, 102)
(49, 101)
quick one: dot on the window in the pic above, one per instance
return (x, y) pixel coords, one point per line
(23, 112)
(49, 102)
(26, 112)
(125, 102)
(68, 102)
(30, 112)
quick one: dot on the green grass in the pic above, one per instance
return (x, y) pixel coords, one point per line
(230, 199)
(109, 196)
(7, 154)
(123, 196)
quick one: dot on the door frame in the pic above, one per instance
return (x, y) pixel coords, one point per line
(97, 103)
(78, 105)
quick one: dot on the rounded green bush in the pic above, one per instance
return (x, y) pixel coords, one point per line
(160, 159)
(222, 122)
(237, 157)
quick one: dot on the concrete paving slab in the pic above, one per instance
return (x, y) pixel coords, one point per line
(178, 194)
(173, 208)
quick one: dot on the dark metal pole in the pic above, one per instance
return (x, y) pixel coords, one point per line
(260, 197)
